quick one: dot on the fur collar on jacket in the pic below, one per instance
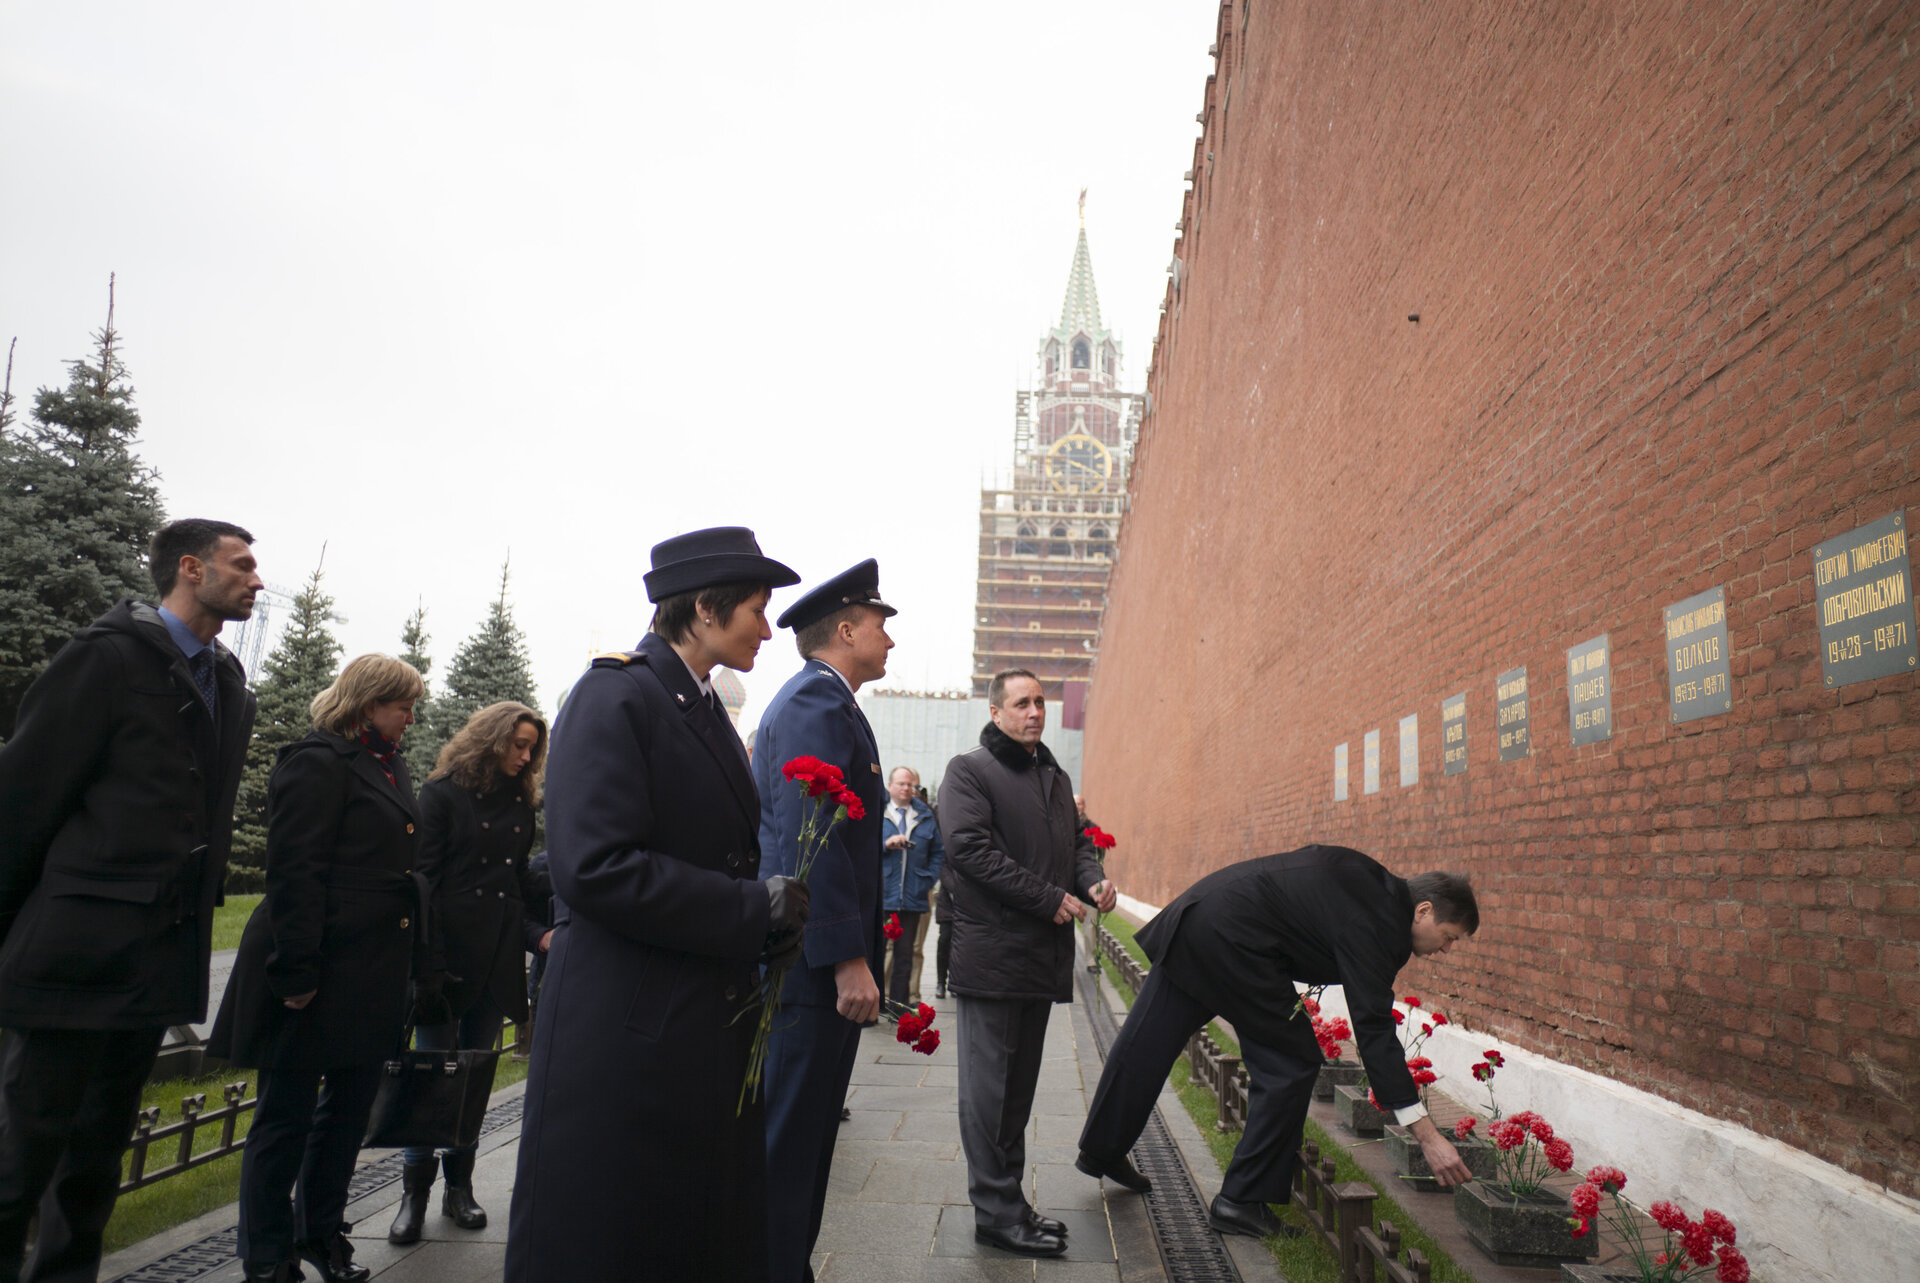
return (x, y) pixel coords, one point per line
(1010, 753)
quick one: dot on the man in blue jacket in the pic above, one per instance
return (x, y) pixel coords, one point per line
(910, 863)
(840, 628)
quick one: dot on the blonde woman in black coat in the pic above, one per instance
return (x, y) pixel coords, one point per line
(476, 831)
(318, 996)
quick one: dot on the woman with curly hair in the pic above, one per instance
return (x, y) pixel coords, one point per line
(476, 830)
(318, 997)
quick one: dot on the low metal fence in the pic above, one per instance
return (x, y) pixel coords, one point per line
(195, 1116)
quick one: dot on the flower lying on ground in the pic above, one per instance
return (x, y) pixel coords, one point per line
(1686, 1248)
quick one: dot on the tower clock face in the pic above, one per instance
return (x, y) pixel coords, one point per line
(1078, 464)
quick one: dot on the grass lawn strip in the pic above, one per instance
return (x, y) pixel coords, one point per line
(230, 919)
(1304, 1259)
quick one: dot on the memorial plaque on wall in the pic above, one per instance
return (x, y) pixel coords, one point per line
(1510, 714)
(1409, 750)
(1590, 691)
(1453, 734)
(1371, 779)
(1339, 772)
(1699, 670)
(1864, 588)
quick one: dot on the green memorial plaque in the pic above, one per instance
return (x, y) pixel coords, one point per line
(1864, 596)
(1510, 712)
(1590, 691)
(1699, 672)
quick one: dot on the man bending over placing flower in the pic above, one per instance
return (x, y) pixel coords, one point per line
(1233, 945)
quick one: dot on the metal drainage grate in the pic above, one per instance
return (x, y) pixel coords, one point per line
(216, 1251)
(1190, 1248)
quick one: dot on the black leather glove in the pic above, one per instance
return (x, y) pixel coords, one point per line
(428, 993)
(784, 948)
(791, 904)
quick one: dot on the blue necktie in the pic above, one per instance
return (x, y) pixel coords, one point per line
(202, 665)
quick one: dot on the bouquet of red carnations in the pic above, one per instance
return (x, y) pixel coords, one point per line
(1688, 1246)
(832, 802)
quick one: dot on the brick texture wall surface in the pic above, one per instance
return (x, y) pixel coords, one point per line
(1664, 258)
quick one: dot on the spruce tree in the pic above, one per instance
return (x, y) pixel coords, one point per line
(77, 508)
(423, 742)
(490, 666)
(304, 662)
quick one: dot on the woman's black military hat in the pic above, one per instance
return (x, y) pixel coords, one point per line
(716, 555)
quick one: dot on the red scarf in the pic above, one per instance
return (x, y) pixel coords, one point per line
(381, 749)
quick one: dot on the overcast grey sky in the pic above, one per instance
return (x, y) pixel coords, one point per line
(429, 281)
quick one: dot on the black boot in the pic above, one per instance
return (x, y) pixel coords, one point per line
(458, 1202)
(416, 1179)
(333, 1258)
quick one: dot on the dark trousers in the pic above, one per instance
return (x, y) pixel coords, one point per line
(943, 955)
(900, 959)
(1001, 1042)
(809, 1061)
(67, 1104)
(303, 1142)
(1155, 1034)
(477, 1029)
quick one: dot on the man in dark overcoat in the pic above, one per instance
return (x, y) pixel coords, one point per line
(637, 1159)
(1233, 945)
(1021, 872)
(116, 815)
(840, 628)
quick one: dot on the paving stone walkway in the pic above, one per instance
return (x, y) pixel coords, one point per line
(897, 1205)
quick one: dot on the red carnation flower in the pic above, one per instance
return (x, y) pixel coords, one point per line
(1439, 1018)
(1495, 1059)
(893, 930)
(1482, 1072)
(1581, 1225)
(855, 809)
(1508, 1135)
(1717, 1225)
(1426, 1031)
(1464, 1128)
(1733, 1267)
(1374, 1100)
(1698, 1240)
(929, 1041)
(907, 1028)
(1667, 1216)
(1419, 1062)
(1313, 1008)
(1542, 1130)
(1559, 1155)
(1585, 1199)
(1101, 839)
(1411, 1001)
(1610, 1179)
(1425, 1078)
(1398, 1018)
(927, 1013)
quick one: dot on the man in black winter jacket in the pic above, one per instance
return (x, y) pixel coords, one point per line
(1021, 872)
(116, 815)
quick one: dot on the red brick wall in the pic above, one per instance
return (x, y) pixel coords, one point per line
(1665, 262)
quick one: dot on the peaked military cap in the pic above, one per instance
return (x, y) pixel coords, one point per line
(857, 586)
(716, 555)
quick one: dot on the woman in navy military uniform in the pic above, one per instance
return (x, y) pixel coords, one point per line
(636, 1161)
(476, 829)
(319, 987)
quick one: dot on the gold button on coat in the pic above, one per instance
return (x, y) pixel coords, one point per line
(405, 923)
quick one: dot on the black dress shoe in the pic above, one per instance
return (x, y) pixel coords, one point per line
(1118, 1170)
(1046, 1224)
(333, 1258)
(1022, 1238)
(1255, 1220)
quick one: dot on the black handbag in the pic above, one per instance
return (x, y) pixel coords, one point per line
(431, 1099)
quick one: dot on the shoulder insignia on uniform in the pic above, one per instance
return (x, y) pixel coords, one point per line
(615, 659)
